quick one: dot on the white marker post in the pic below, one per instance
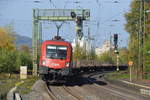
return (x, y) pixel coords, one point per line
(23, 72)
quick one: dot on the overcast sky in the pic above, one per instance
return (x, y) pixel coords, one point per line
(102, 26)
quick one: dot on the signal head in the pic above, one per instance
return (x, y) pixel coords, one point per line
(73, 14)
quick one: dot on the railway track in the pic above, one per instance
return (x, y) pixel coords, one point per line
(62, 93)
(51, 94)
(70, 92)
(91, 86)
(118, 91)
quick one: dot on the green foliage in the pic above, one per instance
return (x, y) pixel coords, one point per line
(26, 87)
(7, 84)
(25, 57)
(106, 58)
(147, 55)
(110, 57)
(123, 56)
(118, 75)
(133, 28)
(11, 58)
(9, 61)
(79, 53)
(91, 55)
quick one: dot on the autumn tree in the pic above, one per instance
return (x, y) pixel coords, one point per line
(9, 57)
(6, 41)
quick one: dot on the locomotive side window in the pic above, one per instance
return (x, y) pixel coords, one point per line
(56, 52)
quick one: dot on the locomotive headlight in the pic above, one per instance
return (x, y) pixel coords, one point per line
(43, 62)
(67, 64)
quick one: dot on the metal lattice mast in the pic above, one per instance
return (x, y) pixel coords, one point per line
(35, 42)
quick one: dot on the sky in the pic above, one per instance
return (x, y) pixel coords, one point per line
(107, 18)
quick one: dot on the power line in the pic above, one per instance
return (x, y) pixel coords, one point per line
(51, 2)
(66, 4)
(110, 18)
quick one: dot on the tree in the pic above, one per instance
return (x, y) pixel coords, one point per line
(25, 48)
(79, 53)
(6, 41)
(147, 58)
(9, 61)
(133, 26)
(91, 55)
(106, 58)
(123, 56)
(25, 57)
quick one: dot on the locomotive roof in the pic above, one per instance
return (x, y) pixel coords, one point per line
(57, 41)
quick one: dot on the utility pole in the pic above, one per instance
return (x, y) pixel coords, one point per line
(89, 38)
(141, 39)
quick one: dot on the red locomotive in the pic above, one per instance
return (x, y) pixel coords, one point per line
(55, 60)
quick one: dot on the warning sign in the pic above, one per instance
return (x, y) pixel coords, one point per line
(130, 63)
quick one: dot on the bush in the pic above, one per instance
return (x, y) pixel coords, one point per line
(9, 61)
(25, 59)
(106, 58)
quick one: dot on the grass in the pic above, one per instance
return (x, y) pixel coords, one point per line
(7, 83)
(26, 87)
(125, 75)
(118, 75)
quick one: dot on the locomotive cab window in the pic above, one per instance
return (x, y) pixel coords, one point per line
(56, 52)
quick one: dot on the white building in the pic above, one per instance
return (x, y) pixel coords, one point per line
(105, 47)
(83, 43)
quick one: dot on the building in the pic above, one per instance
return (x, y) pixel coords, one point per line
(105, 47)
(83, 43)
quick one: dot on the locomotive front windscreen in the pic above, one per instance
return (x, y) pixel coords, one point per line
(56, 52)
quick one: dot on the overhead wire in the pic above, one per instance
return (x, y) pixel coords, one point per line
(66, 4)
(99, 4)
(51, 2)
(98, 22)
(110, 18)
